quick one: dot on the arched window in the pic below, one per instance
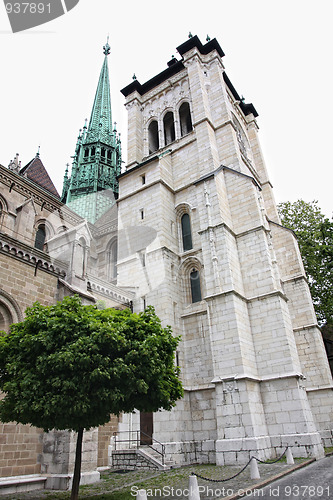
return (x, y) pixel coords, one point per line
(153, 137)
(103, 152)
(93, 151)
(9, 311)
(86, 152)
(185, 118)
(40, 237)
(195, 286)
(112, 260)
(186, 232)
(169, 128)
(3, 209)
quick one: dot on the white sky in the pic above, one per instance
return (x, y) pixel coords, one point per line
(278, 55)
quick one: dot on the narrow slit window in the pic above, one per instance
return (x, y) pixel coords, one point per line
(112, 260)
(195, 286)
(186, 232)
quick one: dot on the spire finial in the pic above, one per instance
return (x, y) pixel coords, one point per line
(37, 154)
(107, 48)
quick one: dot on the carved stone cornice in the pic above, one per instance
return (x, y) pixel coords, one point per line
(29, 190)
(31, 256)
(109, 290)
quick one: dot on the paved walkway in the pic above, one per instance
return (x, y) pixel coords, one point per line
(312, 482)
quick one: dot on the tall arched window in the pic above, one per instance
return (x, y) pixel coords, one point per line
(185, 118)
(195, 286)
(186, 232)
(112, 260)
(40, 237)
(169, 128)
(153, 137)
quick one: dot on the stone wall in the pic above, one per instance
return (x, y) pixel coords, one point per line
(130, 460)
(20, 449)
(105, 433)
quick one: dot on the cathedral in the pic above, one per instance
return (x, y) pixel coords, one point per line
(189, 226)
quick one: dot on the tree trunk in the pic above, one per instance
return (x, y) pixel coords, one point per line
(77, 467)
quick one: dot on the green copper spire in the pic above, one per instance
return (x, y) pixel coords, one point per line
(93, 185)
(100, 124)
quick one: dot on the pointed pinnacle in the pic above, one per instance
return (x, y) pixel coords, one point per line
(107, 48)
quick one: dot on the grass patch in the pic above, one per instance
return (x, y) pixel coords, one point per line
(117, 485)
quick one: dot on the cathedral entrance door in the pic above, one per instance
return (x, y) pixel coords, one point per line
(146, 428)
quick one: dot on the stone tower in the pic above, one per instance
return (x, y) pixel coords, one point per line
(93, 186)
(222, 271)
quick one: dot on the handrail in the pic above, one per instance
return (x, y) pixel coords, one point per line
(139, 433)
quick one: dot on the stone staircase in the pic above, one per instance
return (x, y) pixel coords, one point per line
(155, 457)
(129, 451)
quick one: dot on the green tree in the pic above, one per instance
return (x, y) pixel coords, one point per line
(314, 233)
(69, 366)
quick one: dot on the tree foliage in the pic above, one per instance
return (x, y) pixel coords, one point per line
(314, 232)
(70, 366)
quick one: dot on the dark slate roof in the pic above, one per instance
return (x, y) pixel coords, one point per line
(246, 108)
(36, 172)
(203, 49)
(175, 66)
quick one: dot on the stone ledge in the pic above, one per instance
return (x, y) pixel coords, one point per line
(16, 484)
(64, 481)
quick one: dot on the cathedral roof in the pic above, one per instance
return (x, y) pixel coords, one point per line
(36, 172)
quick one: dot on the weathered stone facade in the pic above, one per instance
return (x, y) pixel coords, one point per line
(252, 359)
(195, 233)
(74, 258)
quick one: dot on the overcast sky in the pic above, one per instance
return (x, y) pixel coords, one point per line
(278, 55)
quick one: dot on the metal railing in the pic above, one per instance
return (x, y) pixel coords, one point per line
(138, 439)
